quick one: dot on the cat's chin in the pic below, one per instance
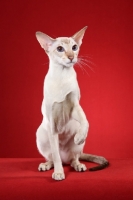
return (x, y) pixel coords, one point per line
(70, 64)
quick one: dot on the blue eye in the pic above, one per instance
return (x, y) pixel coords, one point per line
(74, 47)
(60, 49)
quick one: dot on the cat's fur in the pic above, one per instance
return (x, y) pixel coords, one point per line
(64, 128)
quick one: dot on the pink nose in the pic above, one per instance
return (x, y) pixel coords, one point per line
(71, 57)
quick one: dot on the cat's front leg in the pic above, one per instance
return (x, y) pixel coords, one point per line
(58, 168)
(79, 115)
(54, 143)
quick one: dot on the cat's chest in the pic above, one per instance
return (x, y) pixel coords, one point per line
(56, 90)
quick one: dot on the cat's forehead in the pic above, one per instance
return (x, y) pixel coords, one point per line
(65, 40)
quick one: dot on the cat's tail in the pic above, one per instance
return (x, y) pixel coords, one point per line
(103, 163)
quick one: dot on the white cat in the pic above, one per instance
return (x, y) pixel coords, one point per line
(64, 128)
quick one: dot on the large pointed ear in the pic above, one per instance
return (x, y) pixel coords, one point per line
(44, 40)
(79, 35)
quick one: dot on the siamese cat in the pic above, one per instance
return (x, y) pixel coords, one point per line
(62, 134)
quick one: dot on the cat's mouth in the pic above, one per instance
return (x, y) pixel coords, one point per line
(70, 64)
(73, 62)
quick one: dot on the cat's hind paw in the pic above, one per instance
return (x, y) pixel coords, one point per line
(58, 176)
(45, 166)
(79, 167)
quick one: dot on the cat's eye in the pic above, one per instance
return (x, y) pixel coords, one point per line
(74, 47)
(60, 49)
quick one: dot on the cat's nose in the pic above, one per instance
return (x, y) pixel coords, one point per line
(71, 58)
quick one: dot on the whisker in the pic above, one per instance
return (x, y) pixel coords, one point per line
(84, 61)
(80, 67)
(83, 69)
(89, 61)
(86, 56)
(85, 64)
(46, 63)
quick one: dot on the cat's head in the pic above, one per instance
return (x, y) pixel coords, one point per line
(62, 50)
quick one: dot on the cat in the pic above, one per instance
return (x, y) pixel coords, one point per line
(61, 136)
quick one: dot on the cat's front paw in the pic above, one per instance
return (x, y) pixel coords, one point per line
(45, 166)
(79, 139)
(58, 176)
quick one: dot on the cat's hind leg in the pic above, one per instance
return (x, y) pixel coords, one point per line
(43, 146)
(73, 149)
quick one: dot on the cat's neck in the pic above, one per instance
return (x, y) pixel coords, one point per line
(60, 71)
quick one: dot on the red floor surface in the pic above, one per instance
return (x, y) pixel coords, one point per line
(21, 180)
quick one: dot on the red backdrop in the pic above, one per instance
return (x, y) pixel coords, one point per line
(106, 93)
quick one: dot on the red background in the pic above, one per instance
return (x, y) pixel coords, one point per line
(107, 94)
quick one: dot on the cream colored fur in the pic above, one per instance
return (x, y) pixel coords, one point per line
(64, 128)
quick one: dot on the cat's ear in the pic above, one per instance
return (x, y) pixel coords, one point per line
(79, 35)
(44, 40)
